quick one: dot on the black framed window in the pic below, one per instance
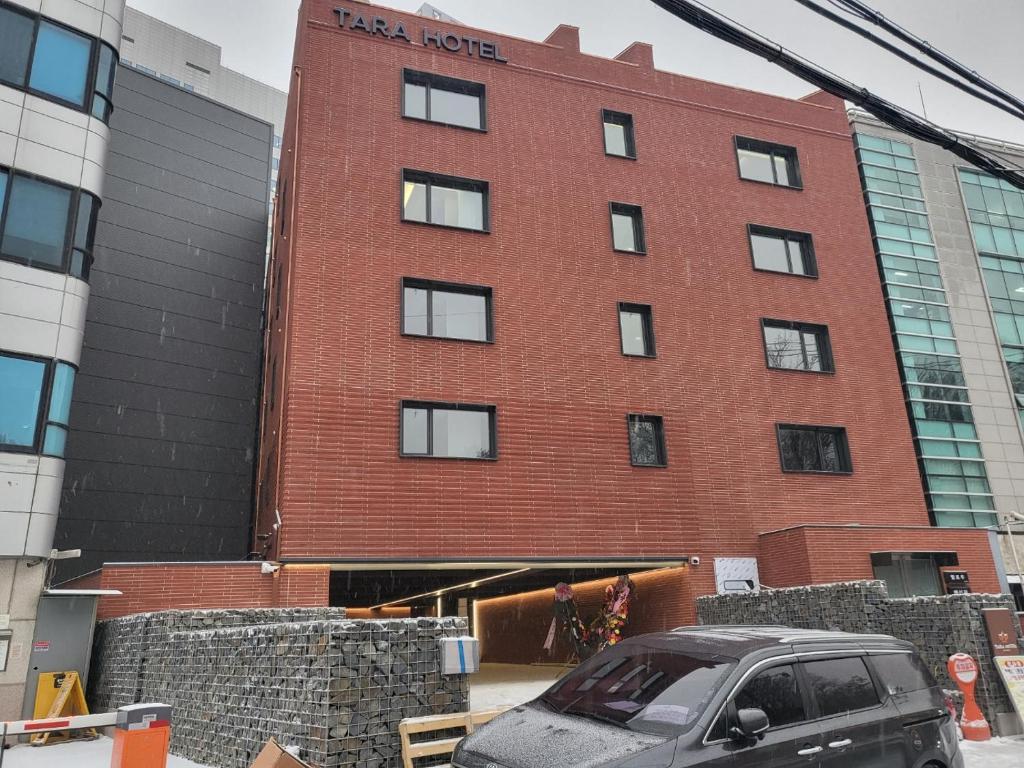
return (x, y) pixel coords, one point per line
(627, 227)
(797, 346)
(766, 162)
(55, 62)
(35, 403)
(776, 691)
(446, 100)
(448, 430)
(446, 310)
(636, 329)
(446, 201)
(909, 574)
(841, 685)
(618, 134)
(805, 448)
(782, 250)
(46, 225)
(646, 440)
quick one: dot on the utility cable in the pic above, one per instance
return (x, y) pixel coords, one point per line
(866, 12)
(699, 15)
(911, 58)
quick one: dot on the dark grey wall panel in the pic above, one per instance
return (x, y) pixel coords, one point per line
(164, 417)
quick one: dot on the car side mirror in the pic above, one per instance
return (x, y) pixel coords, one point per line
(750, 726)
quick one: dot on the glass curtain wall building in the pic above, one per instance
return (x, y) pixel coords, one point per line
(938, 400)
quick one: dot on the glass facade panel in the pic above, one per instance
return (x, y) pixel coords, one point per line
(462, 434)
(454, 108)
(60, 394)
(21, 392)
(15, 46)
(414, 309)
(60, 63)
(36, 223)
(416, 100)
(461, 208)
(623, 232)
(941, 414)
(104, 89)
(459, 315)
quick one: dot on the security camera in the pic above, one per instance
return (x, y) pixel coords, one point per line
(695, 560)
(268, 568)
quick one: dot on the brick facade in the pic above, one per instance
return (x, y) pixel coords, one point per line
(170, 586)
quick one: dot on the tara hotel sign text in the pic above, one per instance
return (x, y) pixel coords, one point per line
(377, 25)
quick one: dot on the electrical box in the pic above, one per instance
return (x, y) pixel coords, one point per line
(460, 655)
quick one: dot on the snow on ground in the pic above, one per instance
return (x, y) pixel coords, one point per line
(507, 685)
(74, 754)
(996, 753)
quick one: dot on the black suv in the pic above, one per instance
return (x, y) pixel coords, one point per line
(731, 697)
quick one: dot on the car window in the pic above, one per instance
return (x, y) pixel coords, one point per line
(902, 673)
(841, 685)
(653, 690)
(777, 693)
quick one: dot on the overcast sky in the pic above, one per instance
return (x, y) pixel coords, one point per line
(987, 35)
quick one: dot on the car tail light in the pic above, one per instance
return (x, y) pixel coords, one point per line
(951, 707)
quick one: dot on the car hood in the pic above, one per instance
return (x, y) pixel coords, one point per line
(533, 736)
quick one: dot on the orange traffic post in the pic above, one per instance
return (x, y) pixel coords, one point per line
(143, 736)
(964, 671)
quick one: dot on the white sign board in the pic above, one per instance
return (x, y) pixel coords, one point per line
(736, 574)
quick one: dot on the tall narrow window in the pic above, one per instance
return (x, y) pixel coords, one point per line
(103, 92)
(618, 134)
(646, 440)
(445, 100)
(627, 228)
(56, 434)
(814, 449)
(446, 310)
(636, 328)
(448, 430)
(60, 63)
(85, 231)
(797, 346)
(22, 381)
(444, 200)
(766, 162)
(781, 250)
(16, 32)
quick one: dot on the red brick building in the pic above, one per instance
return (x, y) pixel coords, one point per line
(538, 315)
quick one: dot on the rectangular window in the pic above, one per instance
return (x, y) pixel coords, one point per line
(646, 440)
(60, 63)
(448, 430)
(627, 228)
(22, 382)
(445, 201)
(446, 310)
(103, 93)
(769, 163)
(911, 574)
(636, 328)
(814, 449)
(445, 100)
(781, 250)
(36, 223)
(797, 346)
(618, 134)
(841, 685)
(16, 32)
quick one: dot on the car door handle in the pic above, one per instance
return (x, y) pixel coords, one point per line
(840, 744)
(808, 751)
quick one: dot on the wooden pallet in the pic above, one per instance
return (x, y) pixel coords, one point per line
(430, 723)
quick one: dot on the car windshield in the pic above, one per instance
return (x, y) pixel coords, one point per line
(653, 690)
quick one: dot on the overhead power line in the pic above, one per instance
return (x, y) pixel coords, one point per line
(866, 12)
(703, 18)
(911, 58)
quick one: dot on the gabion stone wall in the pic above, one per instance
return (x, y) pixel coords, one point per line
(937, 626)
(336, 689)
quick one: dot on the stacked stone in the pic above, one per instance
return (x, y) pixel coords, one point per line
(336, 689)
(114, 672)
(938, 626)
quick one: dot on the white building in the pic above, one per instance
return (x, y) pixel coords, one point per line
(56, 79)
